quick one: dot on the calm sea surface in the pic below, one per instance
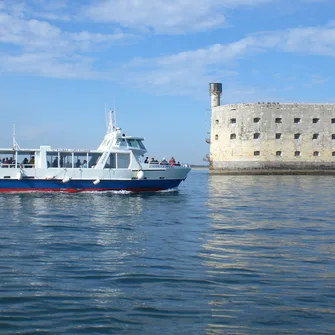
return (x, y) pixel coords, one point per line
(222, 255)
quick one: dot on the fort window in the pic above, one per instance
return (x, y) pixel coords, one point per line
(278, 119)
(278, 136)
(278, 153)
(257, 153)
(315, 136)
(333, 153)
(316, 120)
(297, 136)
(232, 120)
(233, 136)
(257, 119)
(333, 136)
(216, 137)
(316, 153)
(297, 153)
(216, 121)
(333, 120)
(256, 136)
(297, 120)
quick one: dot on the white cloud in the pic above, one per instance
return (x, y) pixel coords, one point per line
(51, 4)
(40, 48)
(172, 17)
(33, 34)
(189, 71)
(52, 16)
(49, 65)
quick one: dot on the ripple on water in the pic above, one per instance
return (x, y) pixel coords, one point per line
(220, 255)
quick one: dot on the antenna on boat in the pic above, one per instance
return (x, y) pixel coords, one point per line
(114, 112)
(106, 118)
(111, 121)
(15, 144)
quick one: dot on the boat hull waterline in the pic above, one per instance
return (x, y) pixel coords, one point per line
(75, 186)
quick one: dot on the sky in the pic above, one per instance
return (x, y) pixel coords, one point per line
(63, 63)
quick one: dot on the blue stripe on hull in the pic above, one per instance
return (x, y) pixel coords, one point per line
(82, 185)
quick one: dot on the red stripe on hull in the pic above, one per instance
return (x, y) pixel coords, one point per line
(74, 190)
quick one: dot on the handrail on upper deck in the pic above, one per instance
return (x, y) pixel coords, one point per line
(13, 165)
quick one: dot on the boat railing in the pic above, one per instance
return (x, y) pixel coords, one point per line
(13, 165)
(162, 166)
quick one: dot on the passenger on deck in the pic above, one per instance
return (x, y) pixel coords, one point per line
(146, 160)
(153, 161)
(172, 161)
(32, 160)
(85, 164)
(61, 161)
(164, 161)
(78, 163)
(25, 161)
(55, 162)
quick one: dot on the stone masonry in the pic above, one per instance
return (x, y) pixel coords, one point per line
(271, 138)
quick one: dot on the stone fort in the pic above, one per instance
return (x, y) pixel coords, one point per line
(271, 138)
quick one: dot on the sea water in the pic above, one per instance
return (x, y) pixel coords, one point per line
(221, 255)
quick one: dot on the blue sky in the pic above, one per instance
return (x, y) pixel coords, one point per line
(62, 62)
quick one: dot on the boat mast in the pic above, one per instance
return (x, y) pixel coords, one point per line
(15, 145)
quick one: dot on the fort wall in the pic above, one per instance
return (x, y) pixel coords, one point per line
(272, 138)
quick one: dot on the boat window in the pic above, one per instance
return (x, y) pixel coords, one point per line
(61, 159)
(123, 160)
(80, 160)
(141, 145)
(24, 159)
(111, 162)
(66, 159)
(52, 159)
(133, 143)
(121, 142)
(93, 159)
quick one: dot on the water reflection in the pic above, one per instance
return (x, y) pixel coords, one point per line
(269, 252)
(223, 255)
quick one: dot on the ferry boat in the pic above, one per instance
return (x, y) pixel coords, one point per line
(115, 165)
